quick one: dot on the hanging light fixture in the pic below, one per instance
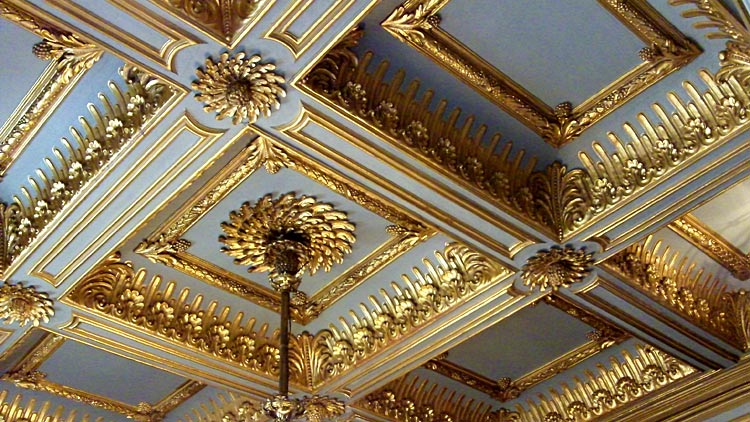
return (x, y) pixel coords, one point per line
(287, 236)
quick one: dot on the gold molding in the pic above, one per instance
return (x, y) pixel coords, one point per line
(298, 44)
(624, 380)
(416, 23)
(25, 374)
(116, 291)
(604, 336)
(683, 287)
(112, 126)
(167, 245)
(24, 304)
(163, 55)
(70, 57)
(226, 407)
(557, 201)
(713, 245)
(12, 410)
(226, 21)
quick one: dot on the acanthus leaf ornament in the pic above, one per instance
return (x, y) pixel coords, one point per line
(557, 267)
(24, 304)
(242, 88)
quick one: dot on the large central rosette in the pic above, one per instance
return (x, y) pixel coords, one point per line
(287, 235)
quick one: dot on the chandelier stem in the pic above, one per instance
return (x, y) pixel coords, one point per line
(284, 347)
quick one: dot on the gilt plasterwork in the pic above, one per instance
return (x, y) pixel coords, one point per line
(621, 381)
(119, 292)
(70, 57)
(120, 119)
(557, 200)
(684, 287)
(241, 88)
(713, 245)
(24, 304)
(226, 407)
(16, 408)
(26, 374)
(226, 21)
(168, 246)
(604, 336)
(417, 23)
(555, 268)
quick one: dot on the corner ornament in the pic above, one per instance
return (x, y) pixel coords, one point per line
(24, 304)
(239, 87)
(557, 267)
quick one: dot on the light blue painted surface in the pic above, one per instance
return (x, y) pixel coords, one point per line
(22, 71)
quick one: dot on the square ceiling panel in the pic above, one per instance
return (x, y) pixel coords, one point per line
(78, 372)
(524, 59)
(189, 240)
(553, 336)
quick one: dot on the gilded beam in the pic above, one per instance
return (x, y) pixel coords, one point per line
(417, 23)
(70, 57)
(713, 245)
(118, 292)
(683, 287)
(113, 125)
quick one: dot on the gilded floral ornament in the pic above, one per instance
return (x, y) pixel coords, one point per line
(24, 304)
(557, 267)
(239, 87)
(324, 233)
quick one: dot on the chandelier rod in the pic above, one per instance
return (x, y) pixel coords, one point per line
(284, 346)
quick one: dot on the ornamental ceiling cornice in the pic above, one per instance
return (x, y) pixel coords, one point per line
(558, 200)
(117, 291)
(122, 117)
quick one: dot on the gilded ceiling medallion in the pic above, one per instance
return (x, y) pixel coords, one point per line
(240, 88)
(557, 267)
(24, 304)
(255, 230)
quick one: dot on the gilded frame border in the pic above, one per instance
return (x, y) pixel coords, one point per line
(166, 245)
(416, 23)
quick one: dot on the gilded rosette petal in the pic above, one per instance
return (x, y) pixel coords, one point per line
(325, 234)
(24, 304)
(557, 267)
(239, 88)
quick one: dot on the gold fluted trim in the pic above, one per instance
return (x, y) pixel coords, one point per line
(598, 392)
(225, 407)
(117, 291)
(226, 21)
(413, 399)
(167, 245)
(14, 409)
(417, 23)
(604, 336)
(685, 288)
(120, 119)
(713, 245)
(25, 374)
(70, 55)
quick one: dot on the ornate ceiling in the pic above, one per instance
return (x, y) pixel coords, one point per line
(536, 211)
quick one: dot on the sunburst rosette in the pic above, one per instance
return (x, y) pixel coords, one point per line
(321, 235)
(239, 87)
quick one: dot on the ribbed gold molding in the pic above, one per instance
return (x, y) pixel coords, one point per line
(226, 407)
(620, 382)
(713, 245)
(685, 288)
(557, 200)
(25, 374)
(70, 55)
(114, 124)
(118, 291)
(13, 409)
(417, 23)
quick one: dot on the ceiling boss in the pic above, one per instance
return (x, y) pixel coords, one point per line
(239, 87)
(287, 236)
